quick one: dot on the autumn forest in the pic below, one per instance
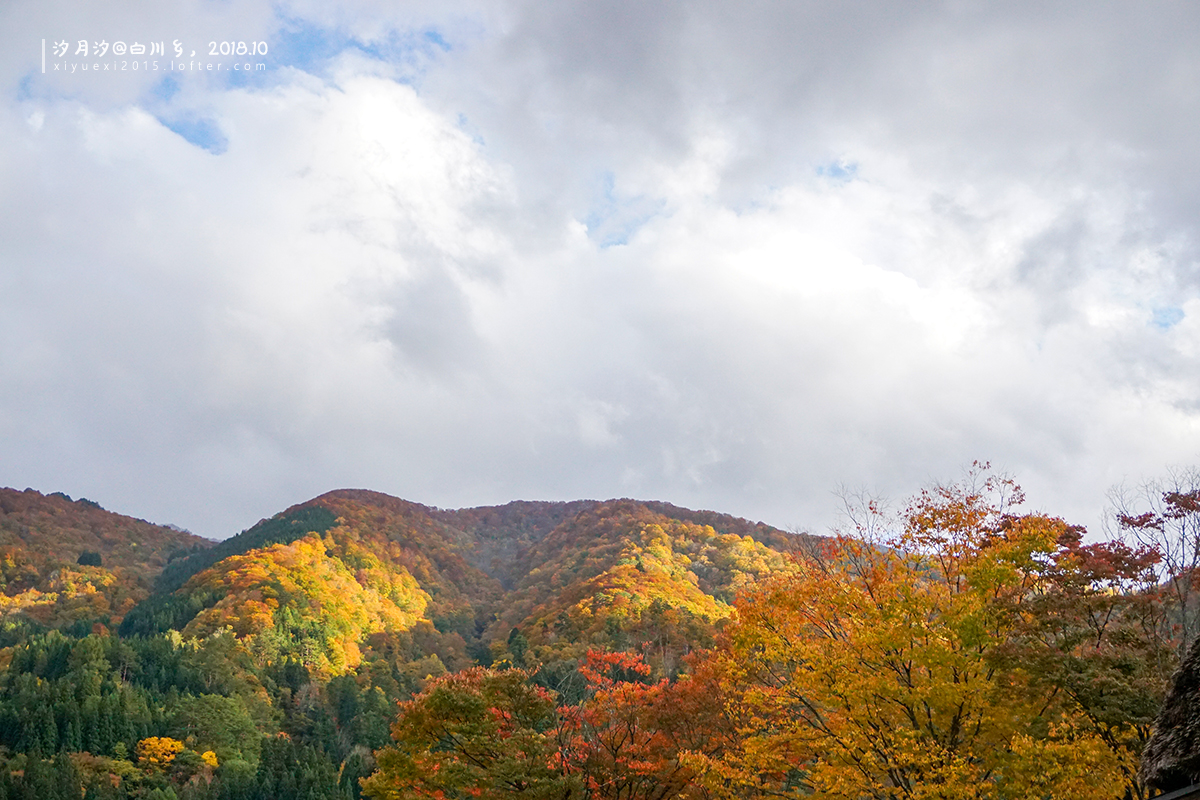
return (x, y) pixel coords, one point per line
(954, 645)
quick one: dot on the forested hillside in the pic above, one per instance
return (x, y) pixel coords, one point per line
(362, 643)
(71, 563)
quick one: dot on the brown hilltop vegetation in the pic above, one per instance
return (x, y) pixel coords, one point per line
(497, 534)
(43, 539)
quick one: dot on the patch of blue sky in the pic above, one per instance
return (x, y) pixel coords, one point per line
(613, 220)
(25, 88)
(164, 90)
(839, 171)
(34, 86)
(310, 48)
(1166, 317)
(203, 133)
(307, 47)
(411, 51)
(301, 46)
(434, 37)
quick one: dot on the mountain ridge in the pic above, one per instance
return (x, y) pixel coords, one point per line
(524, 582)
(288, 647)
(65, 561)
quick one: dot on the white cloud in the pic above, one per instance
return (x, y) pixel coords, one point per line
(386, 277)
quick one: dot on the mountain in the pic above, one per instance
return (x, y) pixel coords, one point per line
(630, 575)
(527, 582)
(71, 562)
(312, 582)
(312, 650)
(224, 668)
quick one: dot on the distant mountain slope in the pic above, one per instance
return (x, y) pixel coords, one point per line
(631, 575)
(527, 582)
(498, 534)
(43, 539)
(281, 529)
(783, 541)
(311, 583)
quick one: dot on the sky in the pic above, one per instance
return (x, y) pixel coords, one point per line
(736, 256)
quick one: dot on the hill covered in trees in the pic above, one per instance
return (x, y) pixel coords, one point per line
(517, 582)
(189, 656)
(362, 643)
(72, 563)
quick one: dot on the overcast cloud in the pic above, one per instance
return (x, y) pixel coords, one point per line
(727, 255)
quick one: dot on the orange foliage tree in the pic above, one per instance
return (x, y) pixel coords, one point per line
(477, 733)
(628, 739)
(491, 733)
(876, 670)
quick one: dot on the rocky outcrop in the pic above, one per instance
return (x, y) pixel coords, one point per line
(1171, 759)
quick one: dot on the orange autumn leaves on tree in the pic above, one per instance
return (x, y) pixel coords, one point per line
(478, 733)
(874, 672)
(491, 733)
(626, 740)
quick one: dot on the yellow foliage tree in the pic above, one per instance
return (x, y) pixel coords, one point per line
(872, 671)
(158, 751)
